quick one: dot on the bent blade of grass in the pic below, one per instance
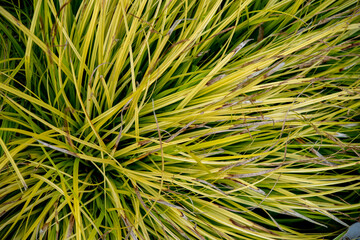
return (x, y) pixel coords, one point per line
(10, 159)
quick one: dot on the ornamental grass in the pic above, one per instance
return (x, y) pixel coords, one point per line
(176, 119)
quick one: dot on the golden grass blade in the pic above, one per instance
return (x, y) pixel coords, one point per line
(10, 159)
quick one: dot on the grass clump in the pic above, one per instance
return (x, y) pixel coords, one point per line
(179, 119)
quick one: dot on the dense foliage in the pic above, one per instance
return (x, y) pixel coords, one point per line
(175, 119)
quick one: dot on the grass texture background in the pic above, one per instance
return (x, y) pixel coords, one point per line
(179, 119)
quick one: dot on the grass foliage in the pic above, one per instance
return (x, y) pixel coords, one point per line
(175, 119)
